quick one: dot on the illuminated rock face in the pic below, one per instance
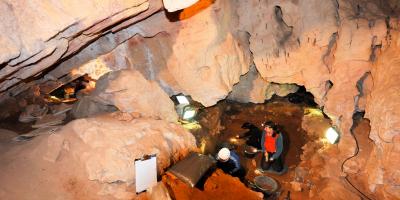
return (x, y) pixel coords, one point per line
(35, 36)
(290, 44)
(202, 56)
(331, 48)
(383, 110)
(130, 92)
(90, 158)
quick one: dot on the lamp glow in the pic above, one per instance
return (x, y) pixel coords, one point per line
(188, 114)
(182, 100)
(331, 135)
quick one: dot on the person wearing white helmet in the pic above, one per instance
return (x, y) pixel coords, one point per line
(229, 162)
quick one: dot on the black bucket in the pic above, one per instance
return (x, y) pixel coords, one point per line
(250, 152)
(266, 184)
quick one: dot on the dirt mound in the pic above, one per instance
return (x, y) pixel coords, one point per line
(218, 186)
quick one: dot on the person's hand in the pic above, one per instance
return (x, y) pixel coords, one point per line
(266, 156)
(271, 159)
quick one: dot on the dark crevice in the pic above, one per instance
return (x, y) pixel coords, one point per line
(374, 48)
(285, 31)
(357, 117)
(330, 51)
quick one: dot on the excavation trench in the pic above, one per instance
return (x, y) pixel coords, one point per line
(222, 124)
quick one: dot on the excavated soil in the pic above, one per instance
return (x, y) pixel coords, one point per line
(232, 115)
(218, 186)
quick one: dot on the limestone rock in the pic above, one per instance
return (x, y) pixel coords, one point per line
(55, 143)
(217, 55)
(122, 116)
(383, 111)
(296, 186)
(251, 88)
(90, 158)
(129, 91)
(280, 89)
(35, 36)
(6, 135)
(60, 108)
(112, 146)
(159, 192)
(88, 106)
(219, 58)
(49, 120)
(336, 190)
(32, 113)
(283, 37)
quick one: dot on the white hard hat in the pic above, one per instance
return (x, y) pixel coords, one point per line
(224, 154)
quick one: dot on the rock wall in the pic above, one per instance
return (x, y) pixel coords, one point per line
(130, 92)
(253, 88)
(220, 52)
(37, 35)
(343, 52)
(291, 44)
(383, 110)
(90, 158)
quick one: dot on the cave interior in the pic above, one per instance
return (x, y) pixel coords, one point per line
(89, 89)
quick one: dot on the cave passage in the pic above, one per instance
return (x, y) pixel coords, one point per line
(68, 92)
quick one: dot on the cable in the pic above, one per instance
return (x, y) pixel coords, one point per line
(355, 154)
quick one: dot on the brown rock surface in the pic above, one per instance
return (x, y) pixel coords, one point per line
(383, 111)
(89, 159)
(327, 47)
(283, 37)
(218, 186)
(218, 54)
(253, 88)
(130, 92)
(33, 41)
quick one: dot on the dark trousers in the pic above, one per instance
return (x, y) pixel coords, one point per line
(276, 164)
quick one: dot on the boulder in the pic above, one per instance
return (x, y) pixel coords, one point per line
(130, 92)
(383, 111)
(6, 135)
(32, 112)
(90, 158)
(88, 106)
(251, 88)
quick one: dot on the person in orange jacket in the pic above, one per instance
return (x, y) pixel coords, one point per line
(272, 148)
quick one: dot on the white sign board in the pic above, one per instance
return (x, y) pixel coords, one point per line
(146, 173)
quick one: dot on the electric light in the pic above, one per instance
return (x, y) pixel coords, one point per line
(332, 135)
(233, 140)
(186, 111)
(182, 99)
(189, 114)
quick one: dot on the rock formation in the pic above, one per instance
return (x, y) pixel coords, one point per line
(130, 92)
(383, 110)
(32, 41)
(90, 158)
(343, 52)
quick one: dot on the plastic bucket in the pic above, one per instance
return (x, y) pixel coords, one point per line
(266, 184)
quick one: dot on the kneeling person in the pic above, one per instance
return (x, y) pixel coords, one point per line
(272, 147)
(229, 162)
